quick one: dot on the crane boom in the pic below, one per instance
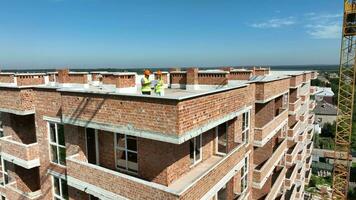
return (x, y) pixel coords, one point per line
(347, 70)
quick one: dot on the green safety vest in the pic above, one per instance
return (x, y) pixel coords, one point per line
(159, 86)
(146, 85)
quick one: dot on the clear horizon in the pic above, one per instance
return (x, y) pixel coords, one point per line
(136, 34)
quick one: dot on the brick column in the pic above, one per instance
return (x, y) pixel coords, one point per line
(192, 78)
(63, 75)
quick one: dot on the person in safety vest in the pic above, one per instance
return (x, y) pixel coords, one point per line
(159, 87)
(146, 83)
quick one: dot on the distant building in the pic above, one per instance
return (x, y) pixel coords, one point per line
(325, 113)
(324, 93)
(333, 75)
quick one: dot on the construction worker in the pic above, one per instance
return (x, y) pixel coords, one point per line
(146, 83)
(159, 87)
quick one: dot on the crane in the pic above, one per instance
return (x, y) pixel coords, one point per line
(341, 171)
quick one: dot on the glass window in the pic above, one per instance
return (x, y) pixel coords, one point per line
(222, 138)
(60, 188)
(4, 172)
(245, 127)
(244, 175)
(195, 149)
(126, 153)
(57, 143)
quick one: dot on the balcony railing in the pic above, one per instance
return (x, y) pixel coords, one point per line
(311, 118)
(291, 176)
(307, 176)
(25, 155)
(97, 178)
(309, 149)
(302, 135)
(293, 130)
(293, 107)
(291, 194)
(312, 90)
(304, 116)
(13, 193)
(308, 163)
(312, 104)
(265, 133)
(277, 185)
(262, 172)
(300, 192)
(292, 154)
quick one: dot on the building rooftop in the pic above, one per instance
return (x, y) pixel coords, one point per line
(324, 91)
(325, 108)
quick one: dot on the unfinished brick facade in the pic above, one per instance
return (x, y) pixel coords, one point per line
(221, 139)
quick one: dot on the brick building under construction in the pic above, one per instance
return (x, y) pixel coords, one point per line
(215, 134)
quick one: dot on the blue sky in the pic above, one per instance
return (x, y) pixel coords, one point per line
(113, 33)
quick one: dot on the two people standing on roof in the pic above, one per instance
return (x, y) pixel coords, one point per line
(157, 85)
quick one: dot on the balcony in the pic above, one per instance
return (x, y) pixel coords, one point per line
(314, 75)
(304, 98)
(303, 117)
(291, 194)
(277, 181)
(292, 154)
(301, 155)
(25, 155)
(291, 176)
(302, 135)
(264, 170)
(100, 181)
(308, 163)
(300, 192)
(309, 149)
(307, 177)
(296, 81)
(17, 100)
(310, 133)
(312, 90)
(306, 77)
(312, 104)
(14, 193)
(293, 130)
(266, 91)
(293, 107)
(265, 133)
(311, 119)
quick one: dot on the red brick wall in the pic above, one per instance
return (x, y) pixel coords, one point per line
(306, 77)
(264, 113)
(6, 78)
(197, 111)
(16, 99)
(126, 81)
(178, 78)
(296, 80)
(266, 90)
(30, 80)
(21, 128)
(212, 78)
(192, 76)
(174, 118)
(240, 75)
(75, 194)
(293, 95)
(78, 78)
(47, 103)
(106, 149)
(27, 180)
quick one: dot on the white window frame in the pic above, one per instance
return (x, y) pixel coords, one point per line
(246, 127)
(244, 176)
(4, 173)
(97, 160)
(54, 143)
(117, 148)
(217, 139)
(195, 161)
(60, 188)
